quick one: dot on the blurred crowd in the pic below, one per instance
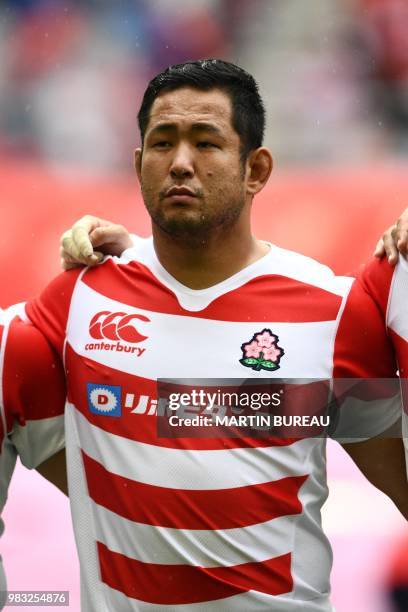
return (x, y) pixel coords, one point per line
(334, 73)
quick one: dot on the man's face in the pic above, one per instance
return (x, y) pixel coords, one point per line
(191, 175)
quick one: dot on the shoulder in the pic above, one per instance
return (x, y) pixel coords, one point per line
(376, 277)
(142, 252)
(117, 277)
(362, 346)
(31, 373)
(49, 311)
(33, 393)
(28, 351)
(58, 292)
(396, 310)
(308, 271)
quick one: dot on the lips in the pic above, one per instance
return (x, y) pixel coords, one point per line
(180, 191)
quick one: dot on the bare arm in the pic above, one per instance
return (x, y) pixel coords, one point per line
(54, 469)
(382, 461)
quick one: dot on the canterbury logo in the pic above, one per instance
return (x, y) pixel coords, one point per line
(116, 326)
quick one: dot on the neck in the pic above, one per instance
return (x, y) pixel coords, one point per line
(210, 261)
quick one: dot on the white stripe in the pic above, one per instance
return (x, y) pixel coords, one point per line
(70, 317)
(198, 547)
(199, 348)
(277, 261)
(192, 469)
(37, 440)
(251, 601)
(16, 310)
(307, 270)
(397, 318)
(92, 598)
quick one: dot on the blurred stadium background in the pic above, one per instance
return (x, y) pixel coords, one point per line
(334, 75)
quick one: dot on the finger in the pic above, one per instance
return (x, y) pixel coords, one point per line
(112, 233)
(104, 235)
(76, 243)
(402, 221)
(95, 258)
(78, 260)
(390, 248)
(81, 241)
(81, 231)
(69, 247)
(66, 256)
(70, 253)
(402, 240)
(68, 262)
(112, 239)
(379, 249)
(65, 239)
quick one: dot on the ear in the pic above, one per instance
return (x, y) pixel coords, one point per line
(138, 162)
(258, 169)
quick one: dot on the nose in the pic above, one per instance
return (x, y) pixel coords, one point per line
(182, 165)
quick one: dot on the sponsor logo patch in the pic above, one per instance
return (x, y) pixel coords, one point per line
(143, 404)
(115, 331)
(105, 399)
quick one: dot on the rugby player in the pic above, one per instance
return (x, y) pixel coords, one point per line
(206, 523)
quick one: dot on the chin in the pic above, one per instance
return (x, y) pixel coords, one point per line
(182, 218)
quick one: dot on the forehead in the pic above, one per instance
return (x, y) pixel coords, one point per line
(189, 105)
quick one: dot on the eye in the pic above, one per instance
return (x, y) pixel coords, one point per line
(205, 144)
(162, 144)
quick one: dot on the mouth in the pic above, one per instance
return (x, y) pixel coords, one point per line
(180, 199)
(180, 195)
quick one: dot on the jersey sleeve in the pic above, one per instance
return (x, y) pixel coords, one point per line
(396, 314)
(49, 311)
(365, 370)
(32, 394)
(394, 308)
(388, 287)
(377, 278)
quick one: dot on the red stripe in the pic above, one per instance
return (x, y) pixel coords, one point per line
(192, 509)
(287, 300)
(186, 584)
(140, 427)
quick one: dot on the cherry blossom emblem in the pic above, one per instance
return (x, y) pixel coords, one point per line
(262, 352)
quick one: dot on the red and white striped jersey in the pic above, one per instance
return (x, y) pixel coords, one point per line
(32, 398)
(388, 286)
(200, 524)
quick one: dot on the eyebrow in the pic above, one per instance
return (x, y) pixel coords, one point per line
(201, 126)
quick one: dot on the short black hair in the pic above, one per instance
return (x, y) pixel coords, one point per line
(248, 111)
